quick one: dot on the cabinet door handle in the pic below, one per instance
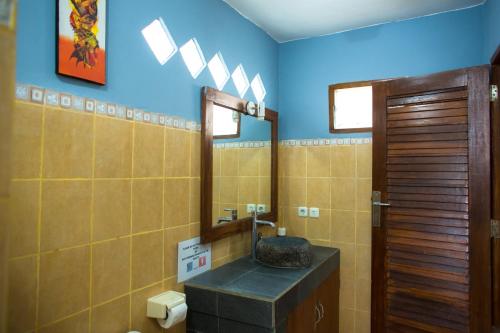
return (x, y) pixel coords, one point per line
(322, 309)
(318, 316)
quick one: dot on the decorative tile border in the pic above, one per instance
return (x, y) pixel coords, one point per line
(38, 95)
(326, 142)
(245, 144)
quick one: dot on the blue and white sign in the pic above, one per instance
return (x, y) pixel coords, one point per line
(193, 259)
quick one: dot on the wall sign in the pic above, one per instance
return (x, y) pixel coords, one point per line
(81, 39)
(193, 259)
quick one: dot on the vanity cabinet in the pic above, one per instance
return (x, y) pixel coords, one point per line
(320, 311)
(245, 296)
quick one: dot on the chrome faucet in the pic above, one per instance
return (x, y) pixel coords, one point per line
(233, 217)
(255, 221)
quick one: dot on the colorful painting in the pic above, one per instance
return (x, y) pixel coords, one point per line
(81, 39)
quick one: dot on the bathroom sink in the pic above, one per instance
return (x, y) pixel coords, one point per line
(284, 252)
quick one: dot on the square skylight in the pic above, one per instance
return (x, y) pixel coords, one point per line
(240, 80)
(219, 71)
(259, 91)
(159, 40)
(193, 57)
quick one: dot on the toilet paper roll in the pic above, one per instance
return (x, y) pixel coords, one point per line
(174, 316)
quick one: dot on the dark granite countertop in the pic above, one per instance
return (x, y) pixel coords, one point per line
(249, 292)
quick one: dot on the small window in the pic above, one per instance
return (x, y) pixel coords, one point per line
(159, 40)
(226, 123)
(193, 57)
(219, 71)
(259, 91)
(351, 107)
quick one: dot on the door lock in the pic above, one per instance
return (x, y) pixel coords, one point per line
(376, 208)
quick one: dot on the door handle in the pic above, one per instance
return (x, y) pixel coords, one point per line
(376, 208)
(318, 316)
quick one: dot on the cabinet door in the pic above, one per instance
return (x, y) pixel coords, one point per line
(327, 300)
(303, 318)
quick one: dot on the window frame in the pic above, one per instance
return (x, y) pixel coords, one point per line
(331, 98)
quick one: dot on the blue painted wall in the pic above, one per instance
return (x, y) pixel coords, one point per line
(414, 47)
(135, 78)
(492, 28)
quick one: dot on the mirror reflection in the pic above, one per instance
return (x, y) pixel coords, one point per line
(241, 166)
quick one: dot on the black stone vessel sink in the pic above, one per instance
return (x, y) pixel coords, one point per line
(284, 252)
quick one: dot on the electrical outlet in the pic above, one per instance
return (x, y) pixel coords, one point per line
(314, 212)
(251, 208)
(261, 208)
(302, 211)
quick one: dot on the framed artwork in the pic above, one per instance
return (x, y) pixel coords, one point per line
(81, 39)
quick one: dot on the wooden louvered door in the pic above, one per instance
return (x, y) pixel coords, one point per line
(431, 163)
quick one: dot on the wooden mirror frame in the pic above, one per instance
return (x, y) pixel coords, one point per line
(208, 232)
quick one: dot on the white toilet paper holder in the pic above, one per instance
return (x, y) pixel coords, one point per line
(159, 305)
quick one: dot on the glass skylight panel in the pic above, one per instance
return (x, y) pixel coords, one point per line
(159, 40)
(259, 91)
(193, 57)
(353, 108)
(219, 71)
(240, 80)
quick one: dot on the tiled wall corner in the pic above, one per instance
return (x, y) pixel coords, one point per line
(334, 176)
(98, 205)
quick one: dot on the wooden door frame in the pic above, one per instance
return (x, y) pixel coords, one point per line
(495, 212)
(479, 185)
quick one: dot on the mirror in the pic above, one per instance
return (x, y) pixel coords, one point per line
(239, 165)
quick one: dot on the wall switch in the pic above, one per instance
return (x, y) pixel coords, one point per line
(261, 208)
(302, 211)
(251, 208)
(314, 212)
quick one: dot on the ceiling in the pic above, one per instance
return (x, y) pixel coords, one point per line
(287, 20)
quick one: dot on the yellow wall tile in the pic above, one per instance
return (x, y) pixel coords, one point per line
(363, 294)
(343, 193)
(147, 196)
(148, 150)
(343, 226)
(111, 209)
(346, 320)
(343, 161)
(177, 153)
(364, 193)
(348, 261)
(229, 189)
(78, 323)
(363, 228)
(22, 295)
(111, 317)
(318, 192)
(195, 154)
(172, 237)
(363, 262)
(362, 322)
(176, 202)
(294, 192)
(229, 162)
(318, 161)
(110, 269)
(364, 161)
(113, 148)
(319, 228)
(65, 214)
(248, 190)
(68, 138)
(347, 293)
(147, 259)
(139, 304)
(24, 216)
(294, 162)
(249, 159)
(265, 162)
(194, 200)
(64, 283)
(295, 225)
(26, 141)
